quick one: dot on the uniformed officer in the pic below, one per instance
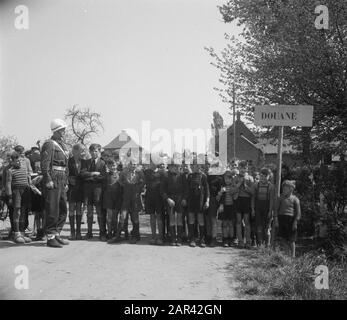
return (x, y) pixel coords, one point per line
(54, 159)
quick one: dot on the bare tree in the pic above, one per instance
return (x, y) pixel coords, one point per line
(83, 124)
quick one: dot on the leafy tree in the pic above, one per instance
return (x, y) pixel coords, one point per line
(218, 122)
(7, 143)
(83, 125)
(282, 58)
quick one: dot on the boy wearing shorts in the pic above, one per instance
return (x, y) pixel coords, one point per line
(198, 197)
(215, 182)
(131, 180)
(172, 188)
(227, 208)
(18, 190)
(287, 215)
(262, 205)
(244, 205)
(112, 199)
(154, 203)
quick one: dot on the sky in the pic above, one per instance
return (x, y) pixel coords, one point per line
(131, 61)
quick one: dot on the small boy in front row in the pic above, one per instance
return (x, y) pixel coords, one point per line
(287, 215)
(18, 190)
(197, 196)
(262, 205)
(227, 207)
(172, 189)
(112, 200)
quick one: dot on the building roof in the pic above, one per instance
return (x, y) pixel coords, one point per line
(242, 129)
(122, 140)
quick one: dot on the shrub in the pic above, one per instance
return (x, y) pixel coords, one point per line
(271, 274)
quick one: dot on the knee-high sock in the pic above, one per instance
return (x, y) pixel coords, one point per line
(78, 223)
(72, 223)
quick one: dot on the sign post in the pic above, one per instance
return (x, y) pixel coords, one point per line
(280, 116)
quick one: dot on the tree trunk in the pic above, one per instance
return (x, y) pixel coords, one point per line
(306, 144)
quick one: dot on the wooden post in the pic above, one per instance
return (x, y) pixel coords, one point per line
(278, 178)
(234, 124)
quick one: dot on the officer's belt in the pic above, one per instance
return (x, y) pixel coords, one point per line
(58, 168)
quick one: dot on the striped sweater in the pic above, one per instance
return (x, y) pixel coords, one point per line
(16, 178)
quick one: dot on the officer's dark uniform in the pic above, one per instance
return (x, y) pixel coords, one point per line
(54, 159)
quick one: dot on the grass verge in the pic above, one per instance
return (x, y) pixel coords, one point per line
(269, 274)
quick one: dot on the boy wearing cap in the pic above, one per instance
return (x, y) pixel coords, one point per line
(262, 205)
(93, 172)
(287, 215)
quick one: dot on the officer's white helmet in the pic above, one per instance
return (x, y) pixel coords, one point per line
(57, 124)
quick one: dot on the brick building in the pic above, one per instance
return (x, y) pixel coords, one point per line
(246, 144)
(255, 151)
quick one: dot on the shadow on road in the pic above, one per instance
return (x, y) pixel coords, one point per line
(10, 244)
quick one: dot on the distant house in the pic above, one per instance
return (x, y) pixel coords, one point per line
(255, 151)
(246, 144)
(124, 144)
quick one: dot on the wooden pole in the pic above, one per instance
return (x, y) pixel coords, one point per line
(234, 124)
(278, 178)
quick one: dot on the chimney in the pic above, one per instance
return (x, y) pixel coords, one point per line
(238, 115)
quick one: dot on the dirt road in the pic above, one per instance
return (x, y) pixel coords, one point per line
(96, 270)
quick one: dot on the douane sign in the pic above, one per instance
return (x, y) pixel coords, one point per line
(283, 115)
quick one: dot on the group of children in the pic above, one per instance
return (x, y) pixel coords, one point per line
(184, 201)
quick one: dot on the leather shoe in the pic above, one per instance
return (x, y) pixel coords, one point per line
(53, 243)
(61, 240)
(78, 236)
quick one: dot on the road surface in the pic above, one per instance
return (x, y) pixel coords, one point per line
(97, 270)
